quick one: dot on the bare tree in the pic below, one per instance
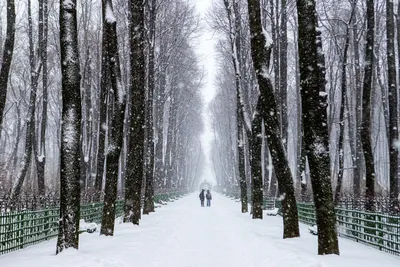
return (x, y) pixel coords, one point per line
(243, 128)
(314, 115)
(366, 108)
(116, 105)
(30, 121)
(149, 158)
(343, 108)
(393, 108)
(68, 234)
(261, 51)
(40, 140)
(135, 164)
(7, 56)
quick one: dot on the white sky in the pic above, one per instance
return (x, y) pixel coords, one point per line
(205, 50)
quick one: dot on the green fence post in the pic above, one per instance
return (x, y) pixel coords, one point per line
(21, 230)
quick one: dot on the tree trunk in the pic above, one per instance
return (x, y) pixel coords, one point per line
(116, 102)
(102, 120)
(40, 155)
(357, 122)
(256, 168)
(234, 37)
(149, 190)
(283, 45)
(68, 234)
(30, 122)
(344, 112)
(366, 109)
(398, 51)
(7, 56)
(393, 109)
(135, 168)
(266, 163)
(261, 57)
(316, 139)
(159, 120)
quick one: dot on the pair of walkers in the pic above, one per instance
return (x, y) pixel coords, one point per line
(207, 196)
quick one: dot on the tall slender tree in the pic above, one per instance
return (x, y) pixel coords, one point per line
(233, 14)
(366, 108)
(256, 167)
(393, 108)
(7, 56)
(261, 52)
(314, 115)
(148, 205)
(343, 108)
(40, 140)
(35, 69)
(135, 167)
(116, 106)
(68, 233)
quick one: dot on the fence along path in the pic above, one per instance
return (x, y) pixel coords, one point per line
(379, 230)
(25, 228)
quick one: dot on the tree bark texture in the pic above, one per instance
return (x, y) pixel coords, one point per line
(148, 205)
(135, 168)
(116, 103)
(393, 109)
(7, 56)
(256, 167)
(315, 125)
(366, 109)
(261, 58)
(68, 234)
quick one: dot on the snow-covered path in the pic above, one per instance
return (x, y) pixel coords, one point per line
(184, 234)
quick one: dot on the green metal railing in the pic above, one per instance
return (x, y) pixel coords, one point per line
(381, 231)
(22, 229)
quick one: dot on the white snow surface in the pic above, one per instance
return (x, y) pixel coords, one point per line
(272, 212)
(182, 234)
(87, 226)
(110, 18)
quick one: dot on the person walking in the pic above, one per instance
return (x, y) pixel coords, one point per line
(201, 196)
(209, 197)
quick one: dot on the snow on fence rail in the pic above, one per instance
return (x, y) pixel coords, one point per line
(21, 229)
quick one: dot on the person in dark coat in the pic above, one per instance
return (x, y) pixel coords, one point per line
(208, 197)
(201, 196)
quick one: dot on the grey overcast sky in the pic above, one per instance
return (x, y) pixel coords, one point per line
(205, 50)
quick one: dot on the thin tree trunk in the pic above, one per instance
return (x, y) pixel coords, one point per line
(7, 56)
(102, 120)
(241, 162)
(398, 51)
(256, 167)
(159, 173)
(135, 168)
(358, 146)
(393, 109)
(149, 190)
(283, 45)
(366, 109)
(234, 37)
(30, 122)
(41, 153)
(344, 112)
(261, 57)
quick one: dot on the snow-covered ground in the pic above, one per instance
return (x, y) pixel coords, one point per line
(182, 234)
